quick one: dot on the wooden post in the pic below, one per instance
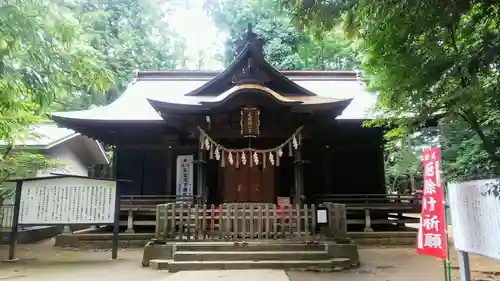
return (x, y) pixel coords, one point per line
(158, 222)
(368, 221)
(200, 180)
(67, 230)
(168, 189)
(298, 173)
(114, 162)
(401, 224)
(340, 222)
(15, 221)
(130, 222)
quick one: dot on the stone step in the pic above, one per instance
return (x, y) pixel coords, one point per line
(159, 264)
(249, 255)
(323, 265)
(244, 247)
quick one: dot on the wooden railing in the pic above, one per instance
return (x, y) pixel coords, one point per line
(368, 209)
(245, 221)
(149, 202)
(374, 201)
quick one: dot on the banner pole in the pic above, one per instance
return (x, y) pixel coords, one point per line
(447, 266)
(446, 261)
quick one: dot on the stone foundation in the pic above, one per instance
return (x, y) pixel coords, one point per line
(273, 254)
(390, 238)
(30, 234)
(138, 240)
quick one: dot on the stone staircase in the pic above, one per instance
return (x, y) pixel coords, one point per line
(258, 255)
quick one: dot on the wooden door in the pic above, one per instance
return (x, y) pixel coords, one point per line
(248, 184)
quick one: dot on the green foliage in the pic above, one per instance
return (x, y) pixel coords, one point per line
(403, 166)
(128, 35)
(286, 47)
(44, 54)
(21, 164)
(463, 154)
(65, 54)
(426, 58)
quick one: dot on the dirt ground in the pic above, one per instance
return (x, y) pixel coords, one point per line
(43, 262)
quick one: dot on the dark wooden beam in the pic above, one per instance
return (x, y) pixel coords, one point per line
(298, 173)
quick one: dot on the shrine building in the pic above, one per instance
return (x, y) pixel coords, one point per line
(249, 133)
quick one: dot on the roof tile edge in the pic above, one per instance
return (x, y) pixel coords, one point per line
(160, 74)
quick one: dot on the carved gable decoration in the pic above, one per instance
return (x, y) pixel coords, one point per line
(252, 72)
(250, 122)
(249, 38)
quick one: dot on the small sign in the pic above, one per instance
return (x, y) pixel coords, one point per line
(283, 201)
(250, 122)
(474, 214)
(321, 216)
(185, 169)
(67, 201)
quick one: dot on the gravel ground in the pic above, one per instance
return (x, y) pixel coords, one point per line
(402, 264)
(43, 262)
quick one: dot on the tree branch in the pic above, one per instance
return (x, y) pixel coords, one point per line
(486, 142)
(8, 150)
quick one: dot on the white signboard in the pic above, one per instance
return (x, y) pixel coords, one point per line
(67, 201)
(475, 217)
(185, 176)
(322, 216)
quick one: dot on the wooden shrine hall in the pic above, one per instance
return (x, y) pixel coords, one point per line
(249, 133)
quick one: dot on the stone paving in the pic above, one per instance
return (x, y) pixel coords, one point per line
(43, 262)
(229, 275)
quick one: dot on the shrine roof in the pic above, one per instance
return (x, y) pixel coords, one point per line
(157, 93)
(173, 87)
(45, 136)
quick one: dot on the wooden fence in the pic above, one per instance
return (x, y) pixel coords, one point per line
(6, 215)
(245, 221)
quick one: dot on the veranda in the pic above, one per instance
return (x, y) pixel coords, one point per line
(173, 216)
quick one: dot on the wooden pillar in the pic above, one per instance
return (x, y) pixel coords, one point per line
(143, 171)
(130, 222)
(328, 175)
(168, 188)
(200, 179)
(114, 162)
(368, 221)
(298, 178)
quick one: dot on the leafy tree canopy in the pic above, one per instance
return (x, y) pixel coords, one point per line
(425, 58)
(128, 35)
(286, 47)
(45, 53)
(21, 164)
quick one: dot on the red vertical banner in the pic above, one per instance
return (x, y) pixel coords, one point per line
(431, 240)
